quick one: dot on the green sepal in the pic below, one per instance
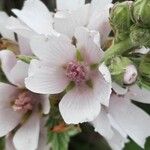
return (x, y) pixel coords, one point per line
(26, 59)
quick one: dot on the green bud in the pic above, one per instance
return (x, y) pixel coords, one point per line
(120, 17)
(122, 70)
(141, 13)
(140, 36)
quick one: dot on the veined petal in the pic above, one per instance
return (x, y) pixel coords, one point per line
(54, 50)
(134, 121)
(102, 125)
(46, 79)
(102, 89)
(139, 94)
(9, 119)
(27, 136)
(69, 5)
(33, 12)
(6, 33)
(86, 44)
(79, 105)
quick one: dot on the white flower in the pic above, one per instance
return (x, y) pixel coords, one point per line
(125, 118)
(16, 102)
(6, 33)
(73, 14)
(34, 18)
(61, 64)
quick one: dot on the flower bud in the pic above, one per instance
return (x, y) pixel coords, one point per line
(140, 36)
(130, 75)
(123, 71)
(120, 17)
(141, 13)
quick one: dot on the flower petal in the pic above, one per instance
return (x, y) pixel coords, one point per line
(86, 44)
(7, 94)
(69, 5)
(139, 94)
(70, 20)
(32, 12)
(54, 50)
(19, 27)
(102, 89)
(9, 119)
(6, 33)
(134, 121)
(46, 79)
(8, 61)
(19, 72)
(79, 105)
(102, 125)
(9, 143)
(45, 104)
(117, 142)
(24, 46)
(28, 135)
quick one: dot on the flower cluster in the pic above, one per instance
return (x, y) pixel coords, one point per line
(67, 59)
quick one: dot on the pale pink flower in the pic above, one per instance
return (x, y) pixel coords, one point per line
(16, 102)
(61, 64)
(122, 118)
(73, 14)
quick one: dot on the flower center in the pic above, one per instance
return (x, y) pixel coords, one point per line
(76, 72)
(24, 102)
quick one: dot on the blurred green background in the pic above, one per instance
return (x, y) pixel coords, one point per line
(87, 140)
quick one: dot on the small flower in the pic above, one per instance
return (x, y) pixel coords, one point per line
(63, 66)
(20, 109)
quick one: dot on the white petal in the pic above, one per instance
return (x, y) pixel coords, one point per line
(45, 104)
(8, 61)
(7, 94)
(9, 143)
(28, 135)
(70, 20)
(36, 15)
(85, 43)
(46, 79)
(118, 89)
(3, 30)
(69, 5)
(117, 142)
(19, 72)
(102, 89)
(134, 121)
(24, 46)
(9, 119)
(19, 27)
(100, 21)
(139, 94)
(79, 105)
(102, 125)
(105, 72)
(54, 50)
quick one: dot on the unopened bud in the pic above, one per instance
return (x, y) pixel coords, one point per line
(141, 13)
(130, 74)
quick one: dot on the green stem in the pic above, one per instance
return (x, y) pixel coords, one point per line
(118, 49)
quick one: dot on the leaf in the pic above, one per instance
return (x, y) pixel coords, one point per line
(2, 143)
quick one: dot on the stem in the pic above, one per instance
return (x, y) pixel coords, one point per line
(118, 49)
